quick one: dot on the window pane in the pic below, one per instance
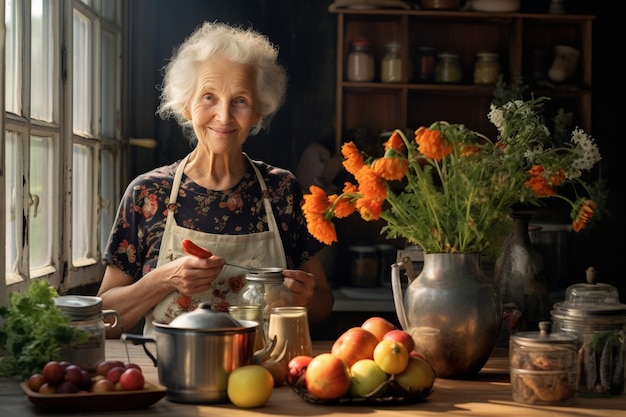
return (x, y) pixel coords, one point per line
(42, 209)
(13, 213)
(13, 97)
(42, 52)
(109, 85)
(82, 202)
(109, 7)
(108, 200)
(82, 74)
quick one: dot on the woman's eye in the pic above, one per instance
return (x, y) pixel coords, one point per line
(207, 97)
(241, 101)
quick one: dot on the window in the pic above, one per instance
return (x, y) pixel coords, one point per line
(62, 139)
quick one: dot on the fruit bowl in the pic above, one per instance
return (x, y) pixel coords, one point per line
(387, 393)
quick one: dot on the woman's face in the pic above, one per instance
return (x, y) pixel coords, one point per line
(223, 106)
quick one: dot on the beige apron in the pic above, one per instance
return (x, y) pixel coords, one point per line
(251, 250)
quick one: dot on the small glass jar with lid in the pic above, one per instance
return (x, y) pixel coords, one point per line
(594, 313)
(544, 366)
(391, 64)
(448, 69)
(264, 287)
(426, 59)
(360, 60)
(486, 68)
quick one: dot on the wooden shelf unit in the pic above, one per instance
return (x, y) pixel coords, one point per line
(518, 38)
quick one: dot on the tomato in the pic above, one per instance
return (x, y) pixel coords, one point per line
(192, 249)
(391, 356)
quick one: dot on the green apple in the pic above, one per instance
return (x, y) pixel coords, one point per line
(418, 376)
(365, 377)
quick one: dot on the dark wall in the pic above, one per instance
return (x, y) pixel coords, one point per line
(305, 32)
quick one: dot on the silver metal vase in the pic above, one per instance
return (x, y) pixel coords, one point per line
(451, 309)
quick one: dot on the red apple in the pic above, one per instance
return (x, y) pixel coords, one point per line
(378, 326)
(354, 344)
(131, 379)
(47, 388)
(297, 367)
(114, 373)
(104, 366)
(400, 336)
(327, 377)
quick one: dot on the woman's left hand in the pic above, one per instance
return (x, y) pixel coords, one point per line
(302, 285)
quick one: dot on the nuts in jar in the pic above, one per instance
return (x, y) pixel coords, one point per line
(486, 68)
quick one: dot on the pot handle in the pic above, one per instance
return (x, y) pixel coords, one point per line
(137, 339)
(398, 298)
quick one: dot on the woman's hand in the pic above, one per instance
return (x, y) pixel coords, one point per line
(190, 274)
(302, 285)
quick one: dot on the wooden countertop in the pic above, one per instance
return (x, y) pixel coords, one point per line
(489, 394)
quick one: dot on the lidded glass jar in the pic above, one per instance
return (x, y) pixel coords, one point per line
(86, 314)
(448, 69)
(593, 312)
(360, 60)
(486, 68)
(391, 64)
(544, 366)
(363, 266)
(264, 287)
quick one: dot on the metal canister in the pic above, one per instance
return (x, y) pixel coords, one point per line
(593, 312)
(544, 366)
(86, 314)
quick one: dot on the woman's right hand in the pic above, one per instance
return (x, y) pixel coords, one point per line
(192, 274)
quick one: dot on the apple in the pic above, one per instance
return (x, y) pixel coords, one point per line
(131, 379)
(47, 388)
(378, 326)
(297, 368)
(104, 366)
(354, 344)
(365, 377)
(35, 382)
(54, 372)
(418, 376)
(102, 385)
(391, 356)
(401, 336)
(74, 374)
(327, 377)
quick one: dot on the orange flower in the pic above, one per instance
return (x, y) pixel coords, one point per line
(344, 207)
(354, 160)
(316, 202)
(371, 185)
(469, 150)
(369, 209)
(321, 228)
(557, 178)
(391, 169)
(432, 144)
(394, 142)
(538, 184)
(584, 216)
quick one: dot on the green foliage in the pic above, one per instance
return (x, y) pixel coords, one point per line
(33, 331)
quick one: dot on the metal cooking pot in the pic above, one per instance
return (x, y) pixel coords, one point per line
(197, 351)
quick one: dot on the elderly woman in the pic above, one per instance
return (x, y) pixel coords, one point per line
(222, 85)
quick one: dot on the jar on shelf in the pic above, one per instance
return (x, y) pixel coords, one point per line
(448, 69)
(486, 68)
(426, 60)
(391, 64)
(363, 264)
(265, 288)
(360, 60)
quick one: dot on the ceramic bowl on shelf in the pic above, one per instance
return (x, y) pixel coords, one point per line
(496, 5)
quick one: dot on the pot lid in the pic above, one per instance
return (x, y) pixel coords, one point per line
(203, 318)
(590, 299)
(543, 337)
(77, 307)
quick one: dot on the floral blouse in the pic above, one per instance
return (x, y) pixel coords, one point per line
(135, 239)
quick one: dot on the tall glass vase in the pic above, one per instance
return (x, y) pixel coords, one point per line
(452, 310)
(520, 277)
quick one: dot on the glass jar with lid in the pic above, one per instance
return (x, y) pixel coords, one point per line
(360, 60)
(544, 366)
(593, 312)
(391, 64)
(85, 313)
(448, 69)
(486, 68)
(264, 287)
